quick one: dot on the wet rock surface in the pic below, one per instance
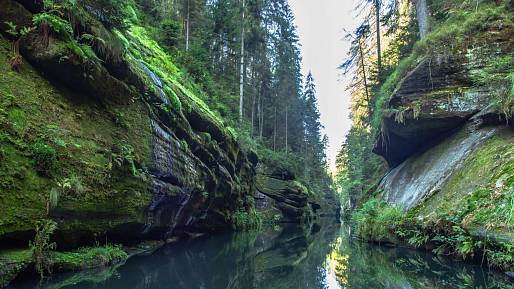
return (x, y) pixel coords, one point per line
(436, 98)
(425, 174)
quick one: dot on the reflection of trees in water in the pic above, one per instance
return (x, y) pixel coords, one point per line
(362, 265)
(295, 259)
(292, 257)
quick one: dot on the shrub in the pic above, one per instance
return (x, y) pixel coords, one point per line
(45, 157)
(377, 221)
(57, 24)
(89, 257)
(246, 219)
(41, 246)
(71, 185)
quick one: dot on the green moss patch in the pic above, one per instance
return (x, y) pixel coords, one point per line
(482, 190)
(11, 263)
(87, 258)
(181, 92)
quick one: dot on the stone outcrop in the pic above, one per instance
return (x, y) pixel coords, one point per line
(282, 199)
(428, 173)
(438, 96)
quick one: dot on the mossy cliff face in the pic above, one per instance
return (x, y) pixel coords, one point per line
(453, 100)
(121, 139)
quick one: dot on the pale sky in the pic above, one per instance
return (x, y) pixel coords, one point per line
(320, 26)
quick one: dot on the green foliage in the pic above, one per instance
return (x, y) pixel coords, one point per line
(45, 157)
(57, 24)
(172, 96)
(244, 219)
(41, 246)
(386, 89)
(170, 33)
(377, 221)
(358, 169)
(11, 30)
(113, 13)
(498, 77)
(124, 155)
(53, 198)
(122, 39)
(18, 118)
(71, 186)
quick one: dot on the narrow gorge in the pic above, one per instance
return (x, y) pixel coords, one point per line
(191, 144)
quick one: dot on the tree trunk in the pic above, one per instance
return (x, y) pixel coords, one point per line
(275, 130)
(261, 124)
(364, 77)
(287, 109)
(422, 15)
(241, 72)
(259, 112)
(379, 50)
(187, 26)
(253, 113)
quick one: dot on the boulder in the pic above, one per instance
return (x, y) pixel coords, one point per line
(290, 201)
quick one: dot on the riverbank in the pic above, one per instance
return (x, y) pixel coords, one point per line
(23, 263)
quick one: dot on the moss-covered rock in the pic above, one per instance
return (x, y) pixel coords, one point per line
(446, 132)
(110, 143)
(12, 262)
(281, 198)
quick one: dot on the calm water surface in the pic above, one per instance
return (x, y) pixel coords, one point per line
(319, 257)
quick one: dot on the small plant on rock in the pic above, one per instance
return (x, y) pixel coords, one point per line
(41, 246)
(44, 156)
(71, 185)
(15, 60)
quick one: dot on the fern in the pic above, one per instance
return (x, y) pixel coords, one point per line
(12, 29)
(57, 24)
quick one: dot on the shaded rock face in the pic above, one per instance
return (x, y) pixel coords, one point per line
(439, 116)
(437, 97)
(190, 183)
(429, 103)
(288, 201)
(426, 174)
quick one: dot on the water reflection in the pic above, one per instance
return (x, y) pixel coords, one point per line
(292, 257)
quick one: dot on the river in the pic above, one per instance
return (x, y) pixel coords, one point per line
(281, 258)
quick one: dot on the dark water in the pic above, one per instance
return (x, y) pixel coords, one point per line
(319, 257)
